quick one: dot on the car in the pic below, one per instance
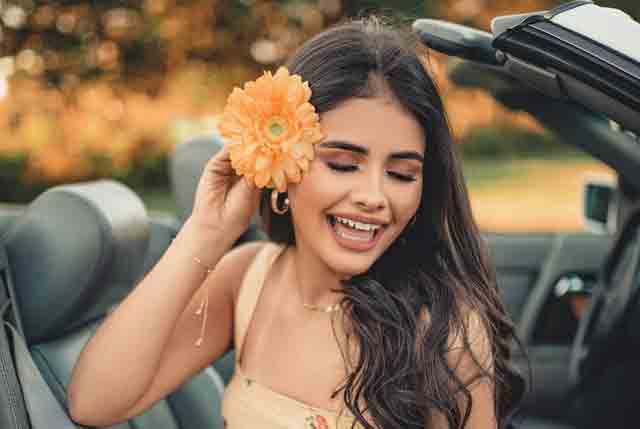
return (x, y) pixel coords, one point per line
(72, 254)
(576, 70)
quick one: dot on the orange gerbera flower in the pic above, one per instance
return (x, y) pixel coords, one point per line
(271, 128)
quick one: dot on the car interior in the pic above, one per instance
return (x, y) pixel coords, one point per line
(77, 250)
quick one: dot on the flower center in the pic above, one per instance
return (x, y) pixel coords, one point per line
(275, 128)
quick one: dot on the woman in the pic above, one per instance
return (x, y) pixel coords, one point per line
(373, 305)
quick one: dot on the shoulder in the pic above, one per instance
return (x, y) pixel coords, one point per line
(469, 355)
(469, 344)
(234, 265)
(471, 348)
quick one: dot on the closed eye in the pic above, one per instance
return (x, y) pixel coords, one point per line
(342, 167)
(401, 177)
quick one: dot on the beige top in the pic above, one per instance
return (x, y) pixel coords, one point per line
(248, 404)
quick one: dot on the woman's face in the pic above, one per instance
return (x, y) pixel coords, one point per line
(364, 185)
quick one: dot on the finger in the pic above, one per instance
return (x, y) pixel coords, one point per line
(222, 156)
(223, 153)
(248, 192)
(234, 179)
(220, 164)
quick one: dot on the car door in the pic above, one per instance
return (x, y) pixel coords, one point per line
(544, 280)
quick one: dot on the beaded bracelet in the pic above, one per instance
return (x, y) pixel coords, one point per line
(203, 265)
(204, 304)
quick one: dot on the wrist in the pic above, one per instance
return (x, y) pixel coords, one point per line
(204, 243)
(214, 228)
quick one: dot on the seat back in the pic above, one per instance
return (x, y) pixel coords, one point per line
(7, 215)
(75, 253)
(186, 165)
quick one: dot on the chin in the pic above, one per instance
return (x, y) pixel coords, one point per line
(349, 269)
(349, 264)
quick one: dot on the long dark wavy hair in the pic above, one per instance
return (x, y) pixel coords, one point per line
(401, 375)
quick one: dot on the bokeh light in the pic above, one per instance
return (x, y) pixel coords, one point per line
(14, 16)
(105, 88)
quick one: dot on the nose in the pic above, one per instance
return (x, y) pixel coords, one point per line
(369, 195)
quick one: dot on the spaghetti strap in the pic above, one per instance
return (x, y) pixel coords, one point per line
(250, 291)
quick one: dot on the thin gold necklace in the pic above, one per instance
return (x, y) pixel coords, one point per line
(313, 307)
(327, 309)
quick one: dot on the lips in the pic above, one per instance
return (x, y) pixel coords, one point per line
(354, 234)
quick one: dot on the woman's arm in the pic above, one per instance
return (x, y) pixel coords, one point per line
(181, 359)
(146, 347)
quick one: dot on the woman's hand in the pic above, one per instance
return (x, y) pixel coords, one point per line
(223, 201)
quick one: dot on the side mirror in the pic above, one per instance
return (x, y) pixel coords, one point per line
(600, 209)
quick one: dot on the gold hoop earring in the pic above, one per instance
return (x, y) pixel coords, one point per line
(274, 203)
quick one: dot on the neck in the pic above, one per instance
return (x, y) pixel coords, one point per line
(316, 283)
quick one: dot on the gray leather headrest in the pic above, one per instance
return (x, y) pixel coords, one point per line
(75, 252)
(186, 165)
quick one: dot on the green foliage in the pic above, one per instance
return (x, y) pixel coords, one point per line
(12, 188)
(148, 173)
(632, 7)
(145, 176)
(400, 8)
(513, 143)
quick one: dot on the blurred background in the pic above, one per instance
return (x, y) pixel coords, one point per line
(106, 88)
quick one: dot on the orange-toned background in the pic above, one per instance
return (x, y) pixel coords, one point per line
(95, 89)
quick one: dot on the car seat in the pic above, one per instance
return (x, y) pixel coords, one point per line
(186, 164)
(539, 423)
(7, 216)
(75, 253)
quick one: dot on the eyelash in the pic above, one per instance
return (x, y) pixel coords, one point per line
(351, 168)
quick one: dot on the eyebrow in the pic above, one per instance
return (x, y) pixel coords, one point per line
(337, 144)
(409, 154)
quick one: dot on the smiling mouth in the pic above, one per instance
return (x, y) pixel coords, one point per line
(348, 229)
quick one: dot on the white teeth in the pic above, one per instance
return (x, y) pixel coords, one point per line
(357, 225)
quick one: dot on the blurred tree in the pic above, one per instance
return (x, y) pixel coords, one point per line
(142, 41)
(92, 88)
(127, 39)
(400, 8)
(632, 7)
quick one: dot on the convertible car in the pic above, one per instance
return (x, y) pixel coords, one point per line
(71, 255)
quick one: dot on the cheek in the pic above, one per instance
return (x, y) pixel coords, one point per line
(406, 203)
(317, 190)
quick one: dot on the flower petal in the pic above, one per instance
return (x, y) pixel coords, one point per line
(262, 178)
(305, 109)
(306, 91)
(292, 170)
(281, 85)
(307, 150)
(295, 93)
(263, 162)
(303, 163)
(271, 128)
(279, 179)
